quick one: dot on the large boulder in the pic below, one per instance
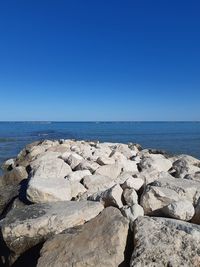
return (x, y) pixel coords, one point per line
(186, 189)
(155, 198)
(100, 242)
(7, 194)
(25, 227)
(42, 190)
(50, 167)
(165, 242)
(181, 210)
(95, 183)
(14, 176)
(112, 170)
(155, 162)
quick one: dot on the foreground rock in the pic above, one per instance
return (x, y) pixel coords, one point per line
(181, 210)
(25, 227)
(165, 242)
(100, 242)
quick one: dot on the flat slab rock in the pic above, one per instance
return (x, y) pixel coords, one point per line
(100, 242)
(25, 227)
(165, 242)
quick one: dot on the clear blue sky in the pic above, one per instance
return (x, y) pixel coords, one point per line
(99, 60)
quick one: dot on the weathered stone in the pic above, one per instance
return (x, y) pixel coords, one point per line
(7, 193)
(132, 212)
(155, 198)
(73, 160)
(100, 242)
(110, 197)
(87, 165)
(112, 170)
(15, 176)
(181, 168)
(95, 183)
(165, 242)
(50, 167)
(186, 189)
(156, 162)
(193, 176)
(123, 177)
(181, 210)
(105, 160)
(25, 227)
(196, 218)
(125, 150)
(129, 166)
(130, 196)
(135, 183)
(78, 175)
(8, 165)
(42, 190)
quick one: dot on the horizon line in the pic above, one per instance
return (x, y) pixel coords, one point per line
(93, 121)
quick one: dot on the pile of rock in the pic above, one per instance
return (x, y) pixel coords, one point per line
(78, 203)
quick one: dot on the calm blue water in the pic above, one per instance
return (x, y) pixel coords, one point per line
(174, 137)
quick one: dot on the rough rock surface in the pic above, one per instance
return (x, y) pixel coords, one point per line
(25, 227)
(112, 171)
(42, 190)
(155, 198)
(182, 210)
(155, 161)
(72, 181)
(100, 242)
(165, 242)
(110, 197)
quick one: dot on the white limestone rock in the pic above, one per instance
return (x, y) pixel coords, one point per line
(112, 170)
(155, 198)
(109, 197)
(77, 176)
(135, 183)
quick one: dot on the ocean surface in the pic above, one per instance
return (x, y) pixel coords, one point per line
(174, 137)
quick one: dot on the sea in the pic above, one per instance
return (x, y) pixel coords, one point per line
(173, 137)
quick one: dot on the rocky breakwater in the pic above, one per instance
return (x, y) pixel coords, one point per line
(77, 203)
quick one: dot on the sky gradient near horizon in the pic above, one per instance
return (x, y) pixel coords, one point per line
(99, 60)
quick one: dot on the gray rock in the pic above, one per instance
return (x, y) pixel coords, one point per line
(130, 196)
(132, 212)
(7, 193)
(105, 160)
(181, 210)
(186, 189)
(100, 242)
(165, 242)
(15, 176)
(25, 227)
